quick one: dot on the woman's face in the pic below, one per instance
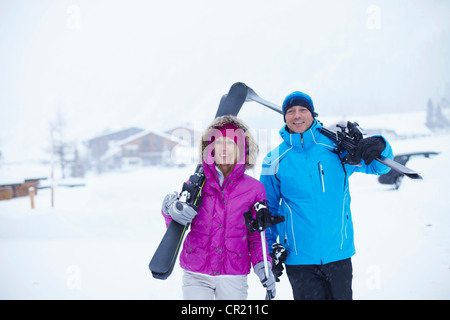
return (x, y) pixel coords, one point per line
(225, 151)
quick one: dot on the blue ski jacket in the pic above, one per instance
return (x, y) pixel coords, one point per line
(306, 182)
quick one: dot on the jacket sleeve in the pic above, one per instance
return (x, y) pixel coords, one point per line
(272, 186)
(376, 167)
(254, 238)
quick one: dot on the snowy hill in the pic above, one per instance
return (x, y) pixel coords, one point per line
(97, 241)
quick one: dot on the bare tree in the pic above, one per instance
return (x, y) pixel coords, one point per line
(59, 142)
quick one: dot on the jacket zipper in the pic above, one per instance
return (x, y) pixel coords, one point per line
(321, 173)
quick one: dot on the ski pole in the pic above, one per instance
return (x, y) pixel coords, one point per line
(266, 266)
(263, 242)
(263, 220)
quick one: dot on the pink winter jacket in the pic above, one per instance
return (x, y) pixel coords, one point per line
(218, 242)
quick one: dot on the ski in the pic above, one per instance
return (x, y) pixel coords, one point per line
(342, 139)
(163, 261)
(394, 165)
(231, 103)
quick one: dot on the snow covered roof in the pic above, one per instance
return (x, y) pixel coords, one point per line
(18, 173)
(147, 132)
(115, 146)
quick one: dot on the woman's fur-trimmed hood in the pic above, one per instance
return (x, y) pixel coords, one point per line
(250, 142)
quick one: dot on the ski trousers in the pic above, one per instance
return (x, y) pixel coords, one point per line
(331, 281)
(197, 286)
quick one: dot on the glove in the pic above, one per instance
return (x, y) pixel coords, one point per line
(371, 148)
(269, 283)
(264, 218)
(368, 149)
(168, 201)
(278, 255)
(182, 213)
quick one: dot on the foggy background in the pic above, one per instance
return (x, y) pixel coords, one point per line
(109, 65)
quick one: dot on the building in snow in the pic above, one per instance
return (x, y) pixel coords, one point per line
(138, 147)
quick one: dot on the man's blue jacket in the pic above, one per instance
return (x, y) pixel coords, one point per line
(306, 182)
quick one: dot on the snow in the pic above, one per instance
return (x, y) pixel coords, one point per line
(402, 236)
(97, 241)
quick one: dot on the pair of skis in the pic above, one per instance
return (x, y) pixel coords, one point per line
(164, 259)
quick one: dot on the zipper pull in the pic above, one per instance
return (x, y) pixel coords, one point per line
(321, 173)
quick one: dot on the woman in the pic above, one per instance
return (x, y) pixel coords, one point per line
(219, 250)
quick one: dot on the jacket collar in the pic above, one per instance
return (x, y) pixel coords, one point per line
(212, 174)
(301, 140)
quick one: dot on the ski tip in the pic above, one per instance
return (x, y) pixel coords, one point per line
(239, 89)
(239, 84)
(414, 176)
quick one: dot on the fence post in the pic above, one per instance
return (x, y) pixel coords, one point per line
(31, 192)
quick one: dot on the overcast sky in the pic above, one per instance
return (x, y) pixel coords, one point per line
(110, 64)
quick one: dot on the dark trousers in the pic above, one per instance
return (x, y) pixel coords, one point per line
(331, 281)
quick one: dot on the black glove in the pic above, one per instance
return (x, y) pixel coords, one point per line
(371, 148)
(278, 255)
(264, 219)
(368, 149)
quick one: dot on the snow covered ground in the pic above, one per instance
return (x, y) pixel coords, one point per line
(97, 241)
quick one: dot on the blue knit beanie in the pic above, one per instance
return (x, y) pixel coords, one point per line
(298, 98)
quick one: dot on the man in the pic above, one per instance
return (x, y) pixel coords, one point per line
(306, 181)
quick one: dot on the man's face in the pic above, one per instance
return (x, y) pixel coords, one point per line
(299, 119)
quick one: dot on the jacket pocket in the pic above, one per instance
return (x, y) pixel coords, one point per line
(321, 175)
(236, 259)
(194, 256)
